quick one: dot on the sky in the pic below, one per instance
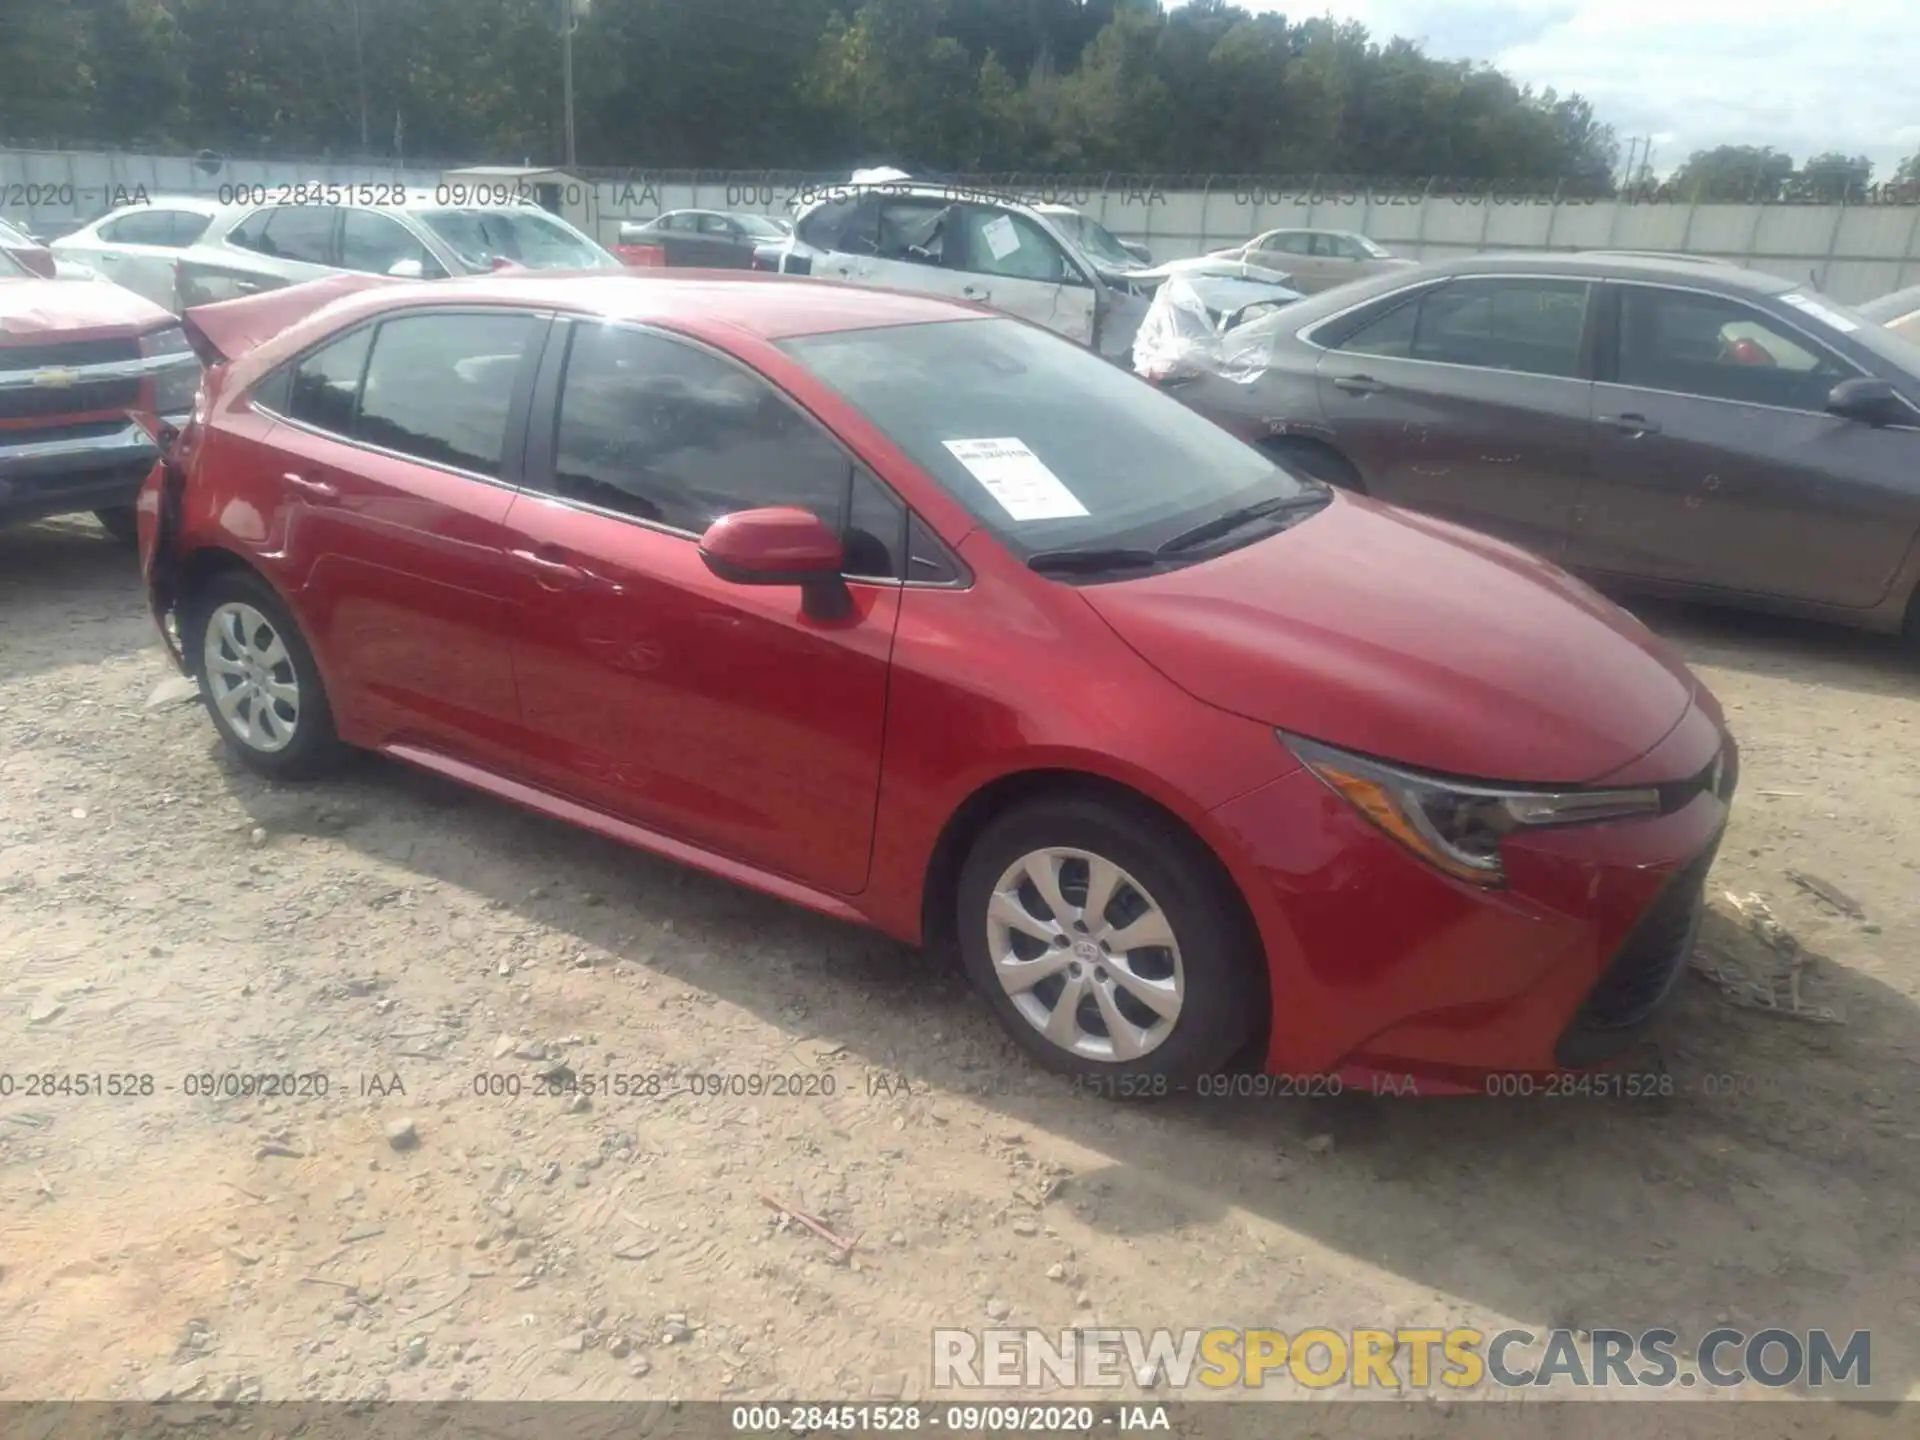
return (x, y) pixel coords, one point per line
(1802, 77)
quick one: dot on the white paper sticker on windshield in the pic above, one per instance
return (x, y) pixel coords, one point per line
(1819, 312)
(1002, 239)
(1013, 475)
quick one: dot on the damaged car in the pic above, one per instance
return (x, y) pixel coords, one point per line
(923, 618)
(989, 249)
(75, 357)
(1702, 431)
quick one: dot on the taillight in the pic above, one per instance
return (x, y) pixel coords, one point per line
(644, 257)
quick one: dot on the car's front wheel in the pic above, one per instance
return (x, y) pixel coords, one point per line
(1108, 943)
(259, 679)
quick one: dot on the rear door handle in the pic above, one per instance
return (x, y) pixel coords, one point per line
(549, 572)
(314, 489)
(976, 292)
(1631, 424)
(1358, 384)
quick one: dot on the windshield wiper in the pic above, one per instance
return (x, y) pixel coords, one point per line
(1225, 524)
(1091, 560)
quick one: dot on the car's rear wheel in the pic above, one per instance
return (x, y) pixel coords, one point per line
(259, 679)
(1108, 943)
(121, 523)
(1311, 457)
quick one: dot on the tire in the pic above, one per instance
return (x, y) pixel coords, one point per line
(1211, 973)
(240, 637)
(1312, 458)
(121, 523)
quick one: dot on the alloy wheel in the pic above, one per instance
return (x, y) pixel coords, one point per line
(1086, 954)
(251, 677)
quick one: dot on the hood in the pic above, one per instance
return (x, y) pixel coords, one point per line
(1411, 640)
(73, 309)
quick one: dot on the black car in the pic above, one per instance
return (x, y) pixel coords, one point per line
(1699, 430)
(711, 239)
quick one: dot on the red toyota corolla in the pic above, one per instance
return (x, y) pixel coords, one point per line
(923, 617)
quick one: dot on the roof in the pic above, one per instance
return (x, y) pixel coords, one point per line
(1602, 265)
(771, 307)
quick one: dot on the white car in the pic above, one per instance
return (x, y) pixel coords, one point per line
(250, 248)
(945, 240)
(1318, 259)
(136, 245)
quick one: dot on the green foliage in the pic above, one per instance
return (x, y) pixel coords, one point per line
(1120, 85)
(1734, 173)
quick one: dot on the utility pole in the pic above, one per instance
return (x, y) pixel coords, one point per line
(360, 77)
(571, 13)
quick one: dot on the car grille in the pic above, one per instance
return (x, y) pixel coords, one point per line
(1644, 968)
(69, 353)
(37, 402)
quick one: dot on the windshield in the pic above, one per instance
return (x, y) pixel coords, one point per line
(1874, 337)
(11, 267)
(1048, 445)
(761, 226)
(1096, 242)
(1377, 251)
(526, 237)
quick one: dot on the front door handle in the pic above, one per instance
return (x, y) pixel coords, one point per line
(314, 489)
(977, 293)
(1358, 384)
(549, 571)
(1631, 424)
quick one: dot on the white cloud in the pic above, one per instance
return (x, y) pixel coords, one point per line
(1691, 73)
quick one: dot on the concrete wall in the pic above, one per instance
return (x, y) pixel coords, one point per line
(1852, 252)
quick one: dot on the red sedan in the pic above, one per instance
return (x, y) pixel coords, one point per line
(922, 617)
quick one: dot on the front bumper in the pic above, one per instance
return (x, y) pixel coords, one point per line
(1382, 966)
(61, 470)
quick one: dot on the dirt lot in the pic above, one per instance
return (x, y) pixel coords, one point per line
(163, 914)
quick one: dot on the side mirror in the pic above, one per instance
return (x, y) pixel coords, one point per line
(1138, 251)
(780, 545)
(1872, 402)
(407, 270)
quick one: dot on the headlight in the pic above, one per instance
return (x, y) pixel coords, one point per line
(1455, 826)
(175, 385)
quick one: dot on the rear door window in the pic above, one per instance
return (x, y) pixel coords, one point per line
(326, 385)
(914, 228)
(849, 225)
(300, 232)
(439, 387)
(145, 227)
(1529, 325)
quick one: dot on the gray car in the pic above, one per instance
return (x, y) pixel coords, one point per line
(1699, 430)
(711, 239)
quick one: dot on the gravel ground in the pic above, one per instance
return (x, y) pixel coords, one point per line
(408, 948)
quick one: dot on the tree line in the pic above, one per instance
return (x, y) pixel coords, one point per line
(939, 85)
(936, 86)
